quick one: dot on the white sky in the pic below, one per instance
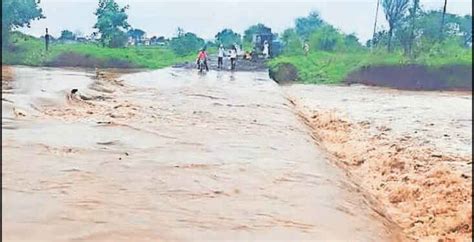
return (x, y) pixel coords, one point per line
(206, 18)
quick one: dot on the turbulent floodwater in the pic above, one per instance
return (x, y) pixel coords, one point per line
(169, 155)
(411, 150)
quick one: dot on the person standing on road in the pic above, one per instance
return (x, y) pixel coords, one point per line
(220, 56)
(266, 50)
(233, 57)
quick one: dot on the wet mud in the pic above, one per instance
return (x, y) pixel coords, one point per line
(411, 151)
(170, 155)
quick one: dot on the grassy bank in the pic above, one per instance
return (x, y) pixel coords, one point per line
(27, 50)
(334, 67)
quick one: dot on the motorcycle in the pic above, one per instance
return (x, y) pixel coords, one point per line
(201, 66)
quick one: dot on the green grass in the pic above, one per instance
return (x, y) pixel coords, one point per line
(333, 67)
(30, 51)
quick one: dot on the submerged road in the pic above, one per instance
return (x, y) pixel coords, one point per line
(169, 155)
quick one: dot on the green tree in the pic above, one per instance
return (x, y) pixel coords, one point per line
(228, 37)
(407, 31)
(456, 27)
(292, 42)
(465, 27)
(186, 43)
(326, 38)
(380, 39)
(395, 11)
(306, 25)
(402, 36)
(180, 32)
(136, 34)
(413, 16)
(67, 35)
(16, 14)
(111, 23)
(351, 42)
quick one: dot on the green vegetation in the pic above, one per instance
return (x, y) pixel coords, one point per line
(27, 50)
(136, 34)
(413, 39)
(112, 23)
(431, 38)
(228, 37)
(67, 35)
(186, 43)
(332, 67)
(16, 14)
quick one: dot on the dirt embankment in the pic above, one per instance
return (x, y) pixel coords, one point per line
(415, 77)
(403, 77)
(284, 73)
(71, 59)
(419, 189)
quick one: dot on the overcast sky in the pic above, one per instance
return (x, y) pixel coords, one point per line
(206, 18)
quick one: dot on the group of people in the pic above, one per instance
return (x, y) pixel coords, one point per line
(231, 53)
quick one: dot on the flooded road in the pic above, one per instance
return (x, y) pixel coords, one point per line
(169, 155)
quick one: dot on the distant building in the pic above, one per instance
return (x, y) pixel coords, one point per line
(81, 39)
(145, 41)
(161, 41)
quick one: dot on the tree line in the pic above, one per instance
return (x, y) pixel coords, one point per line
(411, 29)
(113, 28)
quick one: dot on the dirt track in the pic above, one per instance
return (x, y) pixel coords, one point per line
(170, 155)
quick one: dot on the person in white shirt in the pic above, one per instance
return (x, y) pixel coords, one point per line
(233, 57)
(220, 56)
(265, 49)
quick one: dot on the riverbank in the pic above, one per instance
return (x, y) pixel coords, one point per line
(411, 151)
(443, 71)
(29, 51)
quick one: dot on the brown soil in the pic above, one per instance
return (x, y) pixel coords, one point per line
(415, 77)
(284, 73)
(428, 199)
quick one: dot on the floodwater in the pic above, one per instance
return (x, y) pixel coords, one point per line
(169, 155)
(411, 150)
(444, 119)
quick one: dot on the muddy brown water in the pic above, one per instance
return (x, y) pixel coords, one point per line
(170, 155)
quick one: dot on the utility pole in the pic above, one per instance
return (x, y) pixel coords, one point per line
(46, 40)
(375, 23)
(442, 20)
